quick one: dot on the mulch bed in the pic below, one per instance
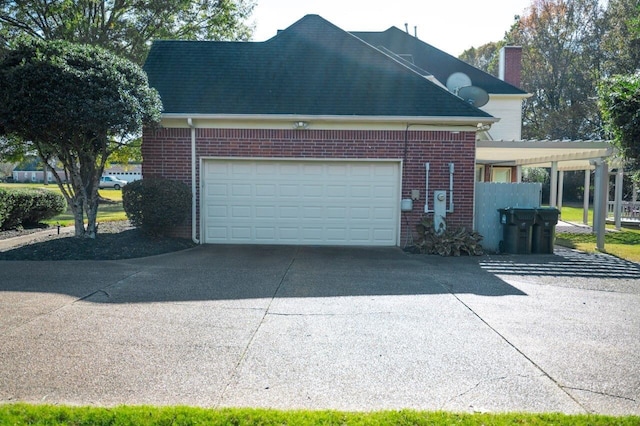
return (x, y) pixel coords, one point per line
(115, 240)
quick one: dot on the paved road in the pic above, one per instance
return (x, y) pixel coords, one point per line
(304, 327)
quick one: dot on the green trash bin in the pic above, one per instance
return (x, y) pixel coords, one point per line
(516, 227)
(544, 230)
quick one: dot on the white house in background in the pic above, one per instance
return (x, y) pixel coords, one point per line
(129, 172)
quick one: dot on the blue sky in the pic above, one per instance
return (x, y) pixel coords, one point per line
(450, 25)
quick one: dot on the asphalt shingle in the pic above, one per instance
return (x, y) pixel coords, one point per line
(440, 64)
(311, 68)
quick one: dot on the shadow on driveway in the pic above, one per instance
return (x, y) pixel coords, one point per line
(223, 272)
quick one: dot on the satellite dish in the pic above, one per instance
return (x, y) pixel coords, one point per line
(456, 81)
(474, 95)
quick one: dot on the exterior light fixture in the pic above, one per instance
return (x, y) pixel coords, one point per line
(300, 125)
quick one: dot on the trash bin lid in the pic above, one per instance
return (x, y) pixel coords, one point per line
(548, 214)
(525, 214)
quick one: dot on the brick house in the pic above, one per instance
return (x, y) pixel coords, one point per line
(312, 137)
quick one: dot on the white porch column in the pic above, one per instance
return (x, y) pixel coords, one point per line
(560, 189)
(601, 181)
(585, 202)
(518, 174)
(553, 196)
(617, 209)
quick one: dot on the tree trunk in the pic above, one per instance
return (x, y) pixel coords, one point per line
(92, 213)
(78, 215)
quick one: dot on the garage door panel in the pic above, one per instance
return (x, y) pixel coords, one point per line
(241, 233)
(288, 212)
(263, 190)
(383, 191)
(286, 190)
(301, 202)
(240, 190)
(266, 212)
(337, 213)
(218, 212)
(217, 189)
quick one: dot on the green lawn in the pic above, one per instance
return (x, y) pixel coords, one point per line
(624, 243)
(106, 212)
(24, 414)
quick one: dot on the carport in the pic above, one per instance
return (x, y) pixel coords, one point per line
(561, 156)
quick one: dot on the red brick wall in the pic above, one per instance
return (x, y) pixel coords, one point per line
(167, 153)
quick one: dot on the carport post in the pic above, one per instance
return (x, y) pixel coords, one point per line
(585, 202)
(600, 202)
(560, 189)
(617, 212)
(553, 196)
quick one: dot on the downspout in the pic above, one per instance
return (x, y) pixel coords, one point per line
(194, 236)
(451, 170)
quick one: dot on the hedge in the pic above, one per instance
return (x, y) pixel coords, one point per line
(25, 206)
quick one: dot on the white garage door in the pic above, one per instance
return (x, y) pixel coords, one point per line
(301, 202)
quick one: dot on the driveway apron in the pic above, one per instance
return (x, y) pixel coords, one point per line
(325, 328)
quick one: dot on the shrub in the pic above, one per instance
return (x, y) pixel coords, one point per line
(448, 242)
(28, 206)
(156, 205)
(4, 206)
(46, 204)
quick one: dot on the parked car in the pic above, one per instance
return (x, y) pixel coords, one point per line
(111, 182)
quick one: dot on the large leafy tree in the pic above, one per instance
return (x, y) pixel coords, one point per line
(568, 47)
(561, 67)
(123, 26)
(621, 40)
(76, 104)
(485, 57)
(619, 102)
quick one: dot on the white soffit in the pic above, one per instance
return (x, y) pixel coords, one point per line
(570, 155)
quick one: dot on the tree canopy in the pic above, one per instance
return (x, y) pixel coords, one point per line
(619, 102)
(75, 104)
(568, 47)
(560, 41)
(125, 27)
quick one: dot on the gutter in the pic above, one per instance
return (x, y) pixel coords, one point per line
(194, 236)
(426, 120)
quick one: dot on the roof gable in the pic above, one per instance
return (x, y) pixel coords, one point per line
(311, 68)
(435, 61)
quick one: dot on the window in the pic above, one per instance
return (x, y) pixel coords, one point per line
(501, 174)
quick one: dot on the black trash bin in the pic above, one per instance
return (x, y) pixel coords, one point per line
(544, 230)
(517, 224)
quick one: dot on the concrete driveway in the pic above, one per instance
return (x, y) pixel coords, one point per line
(338, 328)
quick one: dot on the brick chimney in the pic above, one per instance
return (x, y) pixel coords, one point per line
(511, 65)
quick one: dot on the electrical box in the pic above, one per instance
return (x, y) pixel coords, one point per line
(439, 210)
(415, 194)
(406, 205)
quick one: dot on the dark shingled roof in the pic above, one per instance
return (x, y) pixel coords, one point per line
(435, 61)
(311, 68)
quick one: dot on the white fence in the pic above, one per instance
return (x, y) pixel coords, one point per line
(493, 196)
(630, 211)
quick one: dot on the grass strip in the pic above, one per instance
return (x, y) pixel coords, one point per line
(27, 414)
(624, 244)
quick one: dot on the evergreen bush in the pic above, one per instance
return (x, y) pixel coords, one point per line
(156, 205)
